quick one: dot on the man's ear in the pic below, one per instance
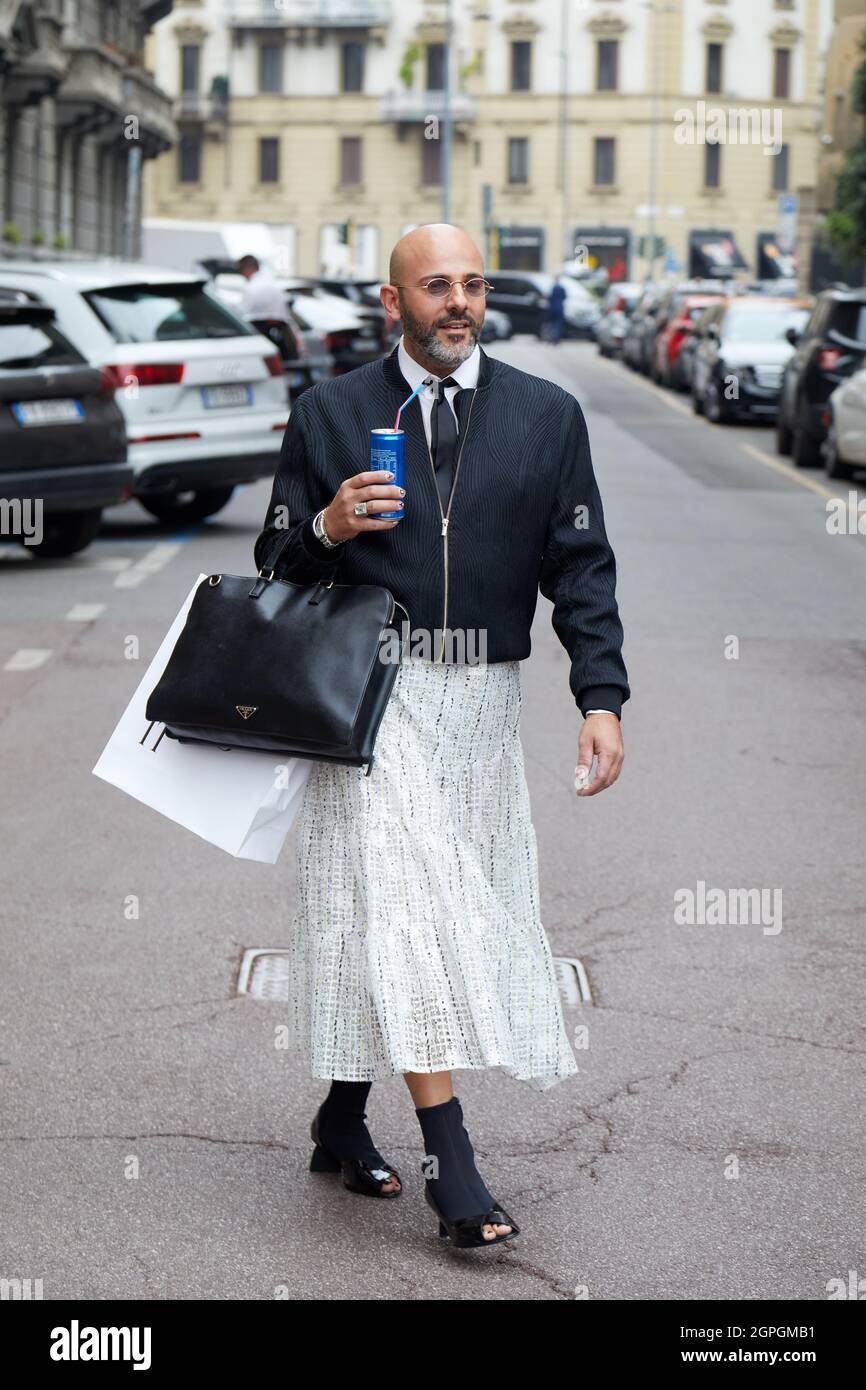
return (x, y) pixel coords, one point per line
(390, 301)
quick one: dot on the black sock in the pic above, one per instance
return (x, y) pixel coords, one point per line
(459, 1189)
(341, 1122)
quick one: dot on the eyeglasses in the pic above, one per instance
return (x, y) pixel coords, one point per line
(439, 287)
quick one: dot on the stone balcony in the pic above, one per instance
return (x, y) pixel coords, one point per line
(308, 14)
(91, 94)
(415, 108)
(153, 110)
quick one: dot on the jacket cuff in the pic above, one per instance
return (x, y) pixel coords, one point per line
(314, 547)
(601, 697)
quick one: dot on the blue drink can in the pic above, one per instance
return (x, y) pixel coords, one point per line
(386, 453)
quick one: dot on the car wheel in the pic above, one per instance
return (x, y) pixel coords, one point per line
(187, 506)
(784, 438)
(65, 533)
(833, 465)
(805, 450)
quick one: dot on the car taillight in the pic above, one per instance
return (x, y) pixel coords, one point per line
(107, 382)
(274, 364)
(829, 359)
(145, 373)
(337, 340)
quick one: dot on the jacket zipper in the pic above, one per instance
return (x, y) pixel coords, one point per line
(446, 515)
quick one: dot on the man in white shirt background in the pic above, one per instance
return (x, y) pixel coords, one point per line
(263, 305)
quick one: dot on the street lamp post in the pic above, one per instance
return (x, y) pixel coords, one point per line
(446, 120)
(655, 9)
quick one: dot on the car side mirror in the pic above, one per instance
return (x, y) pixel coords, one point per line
(792, 336)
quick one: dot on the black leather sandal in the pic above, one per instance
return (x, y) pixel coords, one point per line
(466, 1233)
(358, 1176)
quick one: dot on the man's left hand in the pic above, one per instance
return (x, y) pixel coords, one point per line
(601, 737)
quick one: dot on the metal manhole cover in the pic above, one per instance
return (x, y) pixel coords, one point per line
(264, 974)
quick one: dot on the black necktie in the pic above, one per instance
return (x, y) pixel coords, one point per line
(443, 441)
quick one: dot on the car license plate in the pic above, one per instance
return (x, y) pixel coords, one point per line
(48, 412)
(226, 395)
(296, 378)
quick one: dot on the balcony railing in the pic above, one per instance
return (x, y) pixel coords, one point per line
(197, 106)
(418, 107)
(307, 14)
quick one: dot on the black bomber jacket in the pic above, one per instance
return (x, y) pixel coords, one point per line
(525, 514)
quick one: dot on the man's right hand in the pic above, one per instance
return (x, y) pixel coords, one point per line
(341, 522)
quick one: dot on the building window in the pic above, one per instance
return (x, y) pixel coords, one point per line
(604, 163)
(714, 67)
(518, 160)
(712, 166)
(521, 66)
(350, 159)
(780, 170)
(352, 67)
(435, 67)
(189, 159)
(270, 67)
(190, 63)
(269, 159)
(782, 73)
(431, 161)
(606, 65)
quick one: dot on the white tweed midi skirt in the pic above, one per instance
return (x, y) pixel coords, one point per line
(417, 943)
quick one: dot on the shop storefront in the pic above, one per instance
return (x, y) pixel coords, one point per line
(517, 248)
(714, 255)
(606, 248)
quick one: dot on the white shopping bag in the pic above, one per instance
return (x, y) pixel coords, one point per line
(240, 800)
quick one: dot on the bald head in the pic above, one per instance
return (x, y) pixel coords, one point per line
(435, 249)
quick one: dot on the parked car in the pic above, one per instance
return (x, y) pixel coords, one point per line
(524, 295)
(304, 352)
(364, 294)
(351, 338)
(680, 319)
(203, 394)
(830, 348)
(62, 435)
(844, 447)
(741, 354)
(616, 308)
(641, 323)
(496, 326)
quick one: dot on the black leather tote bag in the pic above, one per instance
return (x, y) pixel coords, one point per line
(304, 669)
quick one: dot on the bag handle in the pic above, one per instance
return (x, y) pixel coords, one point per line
(266, 572)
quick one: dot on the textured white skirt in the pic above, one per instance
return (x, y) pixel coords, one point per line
(417, 944)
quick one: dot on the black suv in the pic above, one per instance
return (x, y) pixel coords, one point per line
(62, 435)
(831, 346)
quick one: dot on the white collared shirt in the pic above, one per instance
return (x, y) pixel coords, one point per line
(466, 374)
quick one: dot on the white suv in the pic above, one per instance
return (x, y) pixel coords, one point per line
(204, 396)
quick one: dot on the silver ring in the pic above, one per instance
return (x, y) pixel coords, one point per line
(360, 509)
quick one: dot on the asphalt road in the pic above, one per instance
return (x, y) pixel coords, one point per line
(153, 1142)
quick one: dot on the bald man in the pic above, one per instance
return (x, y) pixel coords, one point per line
(500, 501)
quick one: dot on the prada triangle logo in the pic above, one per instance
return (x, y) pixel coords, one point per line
(246, 710)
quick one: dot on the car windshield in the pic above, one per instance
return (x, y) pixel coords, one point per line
(764, 325)
(24, 346)
(163, 313)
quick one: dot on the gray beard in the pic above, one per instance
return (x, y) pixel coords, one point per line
(429, 344)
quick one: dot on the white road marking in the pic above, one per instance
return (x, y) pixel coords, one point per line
(84, 612)
(114, 563)
(26, 658)
(153, 560)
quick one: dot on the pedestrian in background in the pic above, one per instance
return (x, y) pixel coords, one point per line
(417, 946)
(556, 312)
(263, 304)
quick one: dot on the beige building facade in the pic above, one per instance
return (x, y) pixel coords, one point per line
(602, 129)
